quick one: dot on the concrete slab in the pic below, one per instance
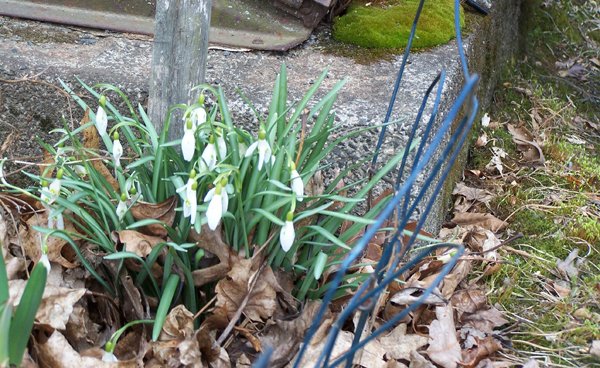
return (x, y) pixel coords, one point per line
(33, 56)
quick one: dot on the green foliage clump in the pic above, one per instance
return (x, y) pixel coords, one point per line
(387, 24)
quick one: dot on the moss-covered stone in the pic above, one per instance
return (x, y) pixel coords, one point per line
(387, 23)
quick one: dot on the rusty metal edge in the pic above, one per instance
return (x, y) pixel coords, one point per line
(139, 24)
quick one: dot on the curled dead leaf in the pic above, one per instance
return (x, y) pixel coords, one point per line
(212, 242)
(473, 194)
(485, 220)
(484, 320)
(91, 142)
(285, 336)
(444, 348)
(410, 295)
(56, 306)
(163, 211)
(138, 243)
(251, 286)
(56, 352)
(484, 348)
(526, 143)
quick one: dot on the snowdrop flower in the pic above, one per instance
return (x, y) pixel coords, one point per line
(264, 150)
(101, 118)
(107, 354)
(190, 204)
(224, 195)
(217, 205)
(122, 207)
(198, 117)
(117, 149)
(188, 143)
(287, 233)
(296, 182)
(109, 357)
(133, 188)
(49, 193)
(188, 186)
(189, 197)
(80, 170)
(485, 120)
(208, 159)
(45, 193)
(221, 145)
(242, 147)
(60, 150)
(56, 221)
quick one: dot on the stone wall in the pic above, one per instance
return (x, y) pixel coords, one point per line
(34, 56)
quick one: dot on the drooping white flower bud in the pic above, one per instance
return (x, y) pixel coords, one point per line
(287, 233)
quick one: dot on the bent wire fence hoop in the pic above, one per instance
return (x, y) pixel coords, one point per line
(386, 272)
(358, 299)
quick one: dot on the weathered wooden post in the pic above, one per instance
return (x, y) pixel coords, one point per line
(179, 57)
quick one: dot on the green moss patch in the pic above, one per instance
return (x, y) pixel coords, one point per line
(387, 24)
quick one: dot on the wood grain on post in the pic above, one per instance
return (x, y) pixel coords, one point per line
(178, 58)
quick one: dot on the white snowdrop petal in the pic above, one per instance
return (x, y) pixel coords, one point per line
(188, 145)
(287, 235)
(101, 121)
(214, 211)
(225, 200)
(251, 149)
(297, 185)
(209, 195)
(117, 152)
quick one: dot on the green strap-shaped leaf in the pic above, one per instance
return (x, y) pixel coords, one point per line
(5, 316)
(3, 280)
(163, 307)
(22, 323)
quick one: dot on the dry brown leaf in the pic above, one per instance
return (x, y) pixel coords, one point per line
(460, 272)
(419, 361)
(531, 150)
(56, 352)
(444, 348)
(372, 353)
(32, 239)
(485, 220)
(482, 140)
(496, 161)
(177, 345)
(57, 303)
(214, 245)
(81, 332)
(468, 301)
(285, 336)
(473, 194)
(410, 295)
(484, 348)
(261, 302)
(138, 243)
(91, 141)
(163, 211)
(14, 266)
(399, 345)
(568, 268)
(531, 363)
(484, 320)
(179, 324)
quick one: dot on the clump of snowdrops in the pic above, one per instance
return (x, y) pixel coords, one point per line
(250, 186)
